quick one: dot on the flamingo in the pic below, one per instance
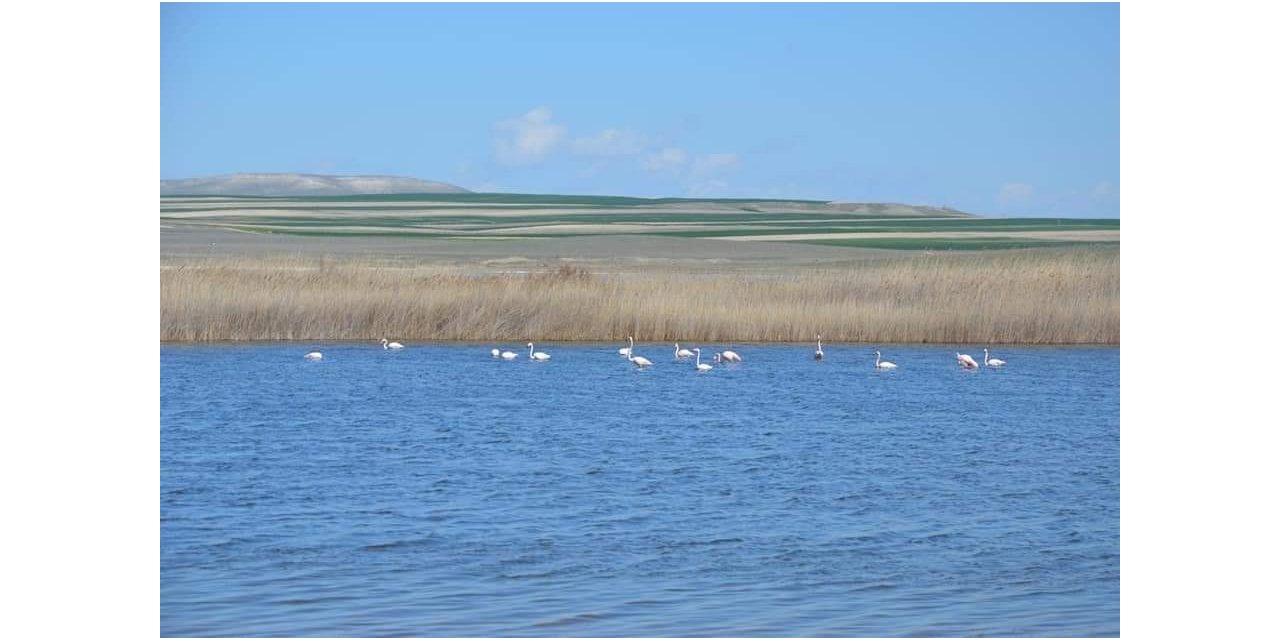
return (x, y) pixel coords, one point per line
(698, 364)
(509, 355)
(494, 353)
(817, 355)
(639, 361)
(989, 361)
(884, 365)
(729, 356)
(965, 361)
(539, 356)
(625, 351)
(391, 345)
(682, 353)
(314, 355)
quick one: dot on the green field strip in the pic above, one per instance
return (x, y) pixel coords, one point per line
(954, 244)
(808, 220)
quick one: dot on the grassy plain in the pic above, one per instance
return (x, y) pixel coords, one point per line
(505, 216)
(507, 267)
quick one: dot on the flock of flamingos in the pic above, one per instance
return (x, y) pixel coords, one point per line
(962, 359)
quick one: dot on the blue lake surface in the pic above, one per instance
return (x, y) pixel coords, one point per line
(439, 492)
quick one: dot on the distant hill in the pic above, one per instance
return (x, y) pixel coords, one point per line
(301, 184)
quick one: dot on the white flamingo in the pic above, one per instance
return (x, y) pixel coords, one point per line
(729, 356)
(314, 355)
(494, 353)
(625, 351)
(818, 355)
(698, 364)
(682, 353)
(391, 345)
(965, 361)
(989, 361)
(509, 355)
(539, 356)
(639, 361)
(885, 364)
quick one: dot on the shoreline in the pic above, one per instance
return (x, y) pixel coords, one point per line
(646, 344)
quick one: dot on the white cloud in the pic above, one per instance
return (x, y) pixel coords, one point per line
(535, 136)
(608, 143)
(527, 139)
(713, 164)
(1013, 194)
(702, 175)
(708, 188)
(667, 160)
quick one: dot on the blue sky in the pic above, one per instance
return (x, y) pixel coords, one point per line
(999, 109)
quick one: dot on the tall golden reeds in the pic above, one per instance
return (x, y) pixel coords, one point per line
(1030, 297)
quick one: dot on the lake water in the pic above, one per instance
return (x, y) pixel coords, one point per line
(439, 492)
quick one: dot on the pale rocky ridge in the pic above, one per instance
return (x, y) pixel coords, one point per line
(301, 184)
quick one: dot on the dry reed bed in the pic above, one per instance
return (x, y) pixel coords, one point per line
(1029, 297)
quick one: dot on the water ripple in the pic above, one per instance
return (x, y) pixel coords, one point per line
(438, 493)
